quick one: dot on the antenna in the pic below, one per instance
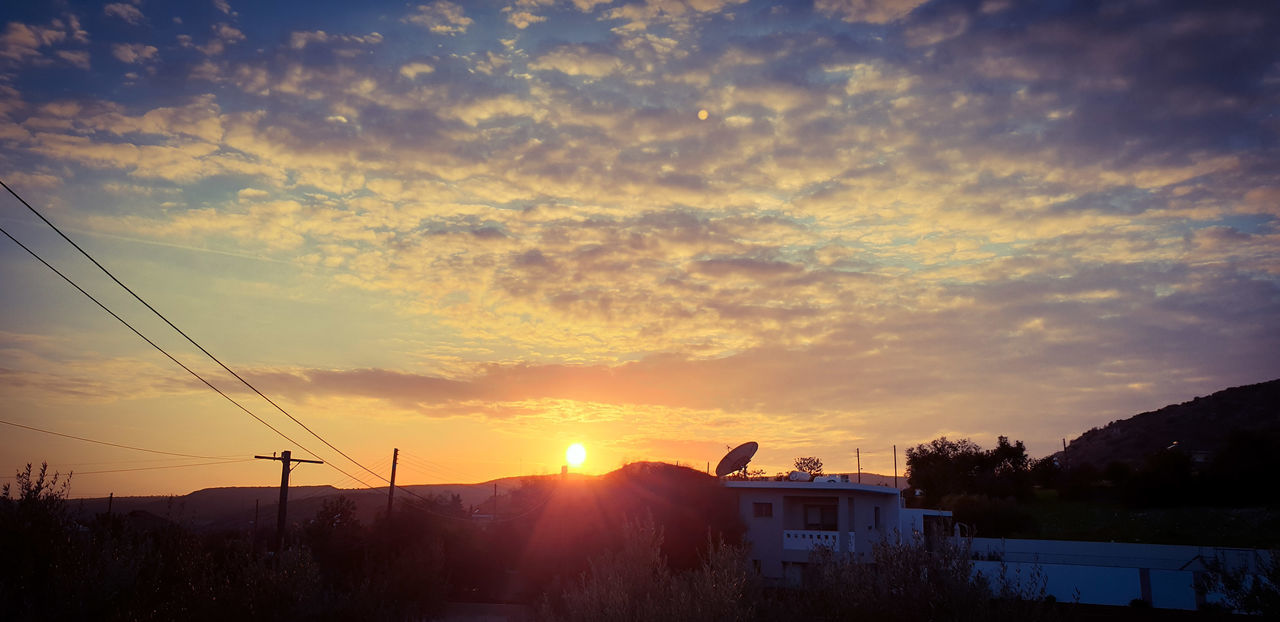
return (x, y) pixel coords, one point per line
(737, 459)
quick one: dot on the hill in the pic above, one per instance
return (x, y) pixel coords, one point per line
(234, 507)
(1203, 424)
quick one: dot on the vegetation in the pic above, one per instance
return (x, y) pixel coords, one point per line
(1248, 592)
(1172, 496)
(810, 465)
(140, 566)
(905, 581)
(635, 584)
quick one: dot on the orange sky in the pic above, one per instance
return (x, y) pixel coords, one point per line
(480, 232)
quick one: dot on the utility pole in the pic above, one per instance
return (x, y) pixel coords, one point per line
(285, 459)
(895, 466)
(391, 490)
(858, 452)
(110, 498)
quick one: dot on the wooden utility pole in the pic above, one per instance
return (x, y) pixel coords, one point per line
(391, 490)
(858, 452)
(895, 466)
(285, 459)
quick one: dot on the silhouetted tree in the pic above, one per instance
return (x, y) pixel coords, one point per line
(943, 467)
(35, 544)
(336, 540)
(1046, 472)
(809, 464)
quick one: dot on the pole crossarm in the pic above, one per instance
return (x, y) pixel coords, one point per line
(285, 458)
(290, 459)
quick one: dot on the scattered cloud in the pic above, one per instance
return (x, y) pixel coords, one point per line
(891, 213)
(871, 11)
(126, 12)
(133, 52)
(440, 17)
(522, 19)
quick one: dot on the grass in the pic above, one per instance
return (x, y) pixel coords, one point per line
(1059, 519)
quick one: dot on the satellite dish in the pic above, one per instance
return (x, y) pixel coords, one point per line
(737, 459)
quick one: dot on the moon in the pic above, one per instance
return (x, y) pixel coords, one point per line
(702, 114)
(575, 455)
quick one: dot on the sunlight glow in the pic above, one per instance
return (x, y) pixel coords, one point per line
(575, 455)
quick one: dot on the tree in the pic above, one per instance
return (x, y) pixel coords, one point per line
(35, 544)
(809, 464)
(943, 467)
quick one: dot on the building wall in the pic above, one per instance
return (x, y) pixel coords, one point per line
(763, 531)
(855, 512)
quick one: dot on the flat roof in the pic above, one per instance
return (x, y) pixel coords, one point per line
(790, 485)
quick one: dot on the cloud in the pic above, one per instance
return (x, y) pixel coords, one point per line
(871, 11)
(222, 5)
(301, 39)
(864, 230)
(133, 52)
(21, 41)
(440, 17)
(577, 60)
(523, 19)
(78, 58)
(415, 69)
(126, 12)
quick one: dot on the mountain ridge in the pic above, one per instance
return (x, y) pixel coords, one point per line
(1202, 424)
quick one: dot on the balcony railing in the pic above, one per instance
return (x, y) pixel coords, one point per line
(808, 540)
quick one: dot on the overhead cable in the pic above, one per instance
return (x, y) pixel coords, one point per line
(185, 335)
(90, 440)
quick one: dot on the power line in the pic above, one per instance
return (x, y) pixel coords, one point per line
(149, 341)
(171, 466)
(188, 337)
(90, 440)
(171, 357)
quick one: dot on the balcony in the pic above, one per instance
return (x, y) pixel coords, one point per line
(808, 540)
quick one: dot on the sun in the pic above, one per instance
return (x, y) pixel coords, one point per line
(575, 455)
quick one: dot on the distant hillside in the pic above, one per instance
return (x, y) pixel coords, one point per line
(234, 507)
(1202, 424)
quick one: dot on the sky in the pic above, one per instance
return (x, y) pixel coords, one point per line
(481, 231)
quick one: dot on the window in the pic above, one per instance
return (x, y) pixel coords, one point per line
(762, 510)
(877, 516)
(820, 517)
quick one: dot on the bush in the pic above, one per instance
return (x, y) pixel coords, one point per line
(989, 517)
(904, 581)
(1244, 591)
(634, 583)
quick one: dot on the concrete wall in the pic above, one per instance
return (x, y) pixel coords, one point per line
(1107, 573)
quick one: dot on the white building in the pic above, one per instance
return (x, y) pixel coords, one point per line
(786, 520)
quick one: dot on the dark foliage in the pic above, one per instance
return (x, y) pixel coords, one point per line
(809, 464)
(140, 566)
(989, 516)
(980, 486)
(1247, 590)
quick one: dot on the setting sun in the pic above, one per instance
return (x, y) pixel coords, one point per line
(575, 455)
